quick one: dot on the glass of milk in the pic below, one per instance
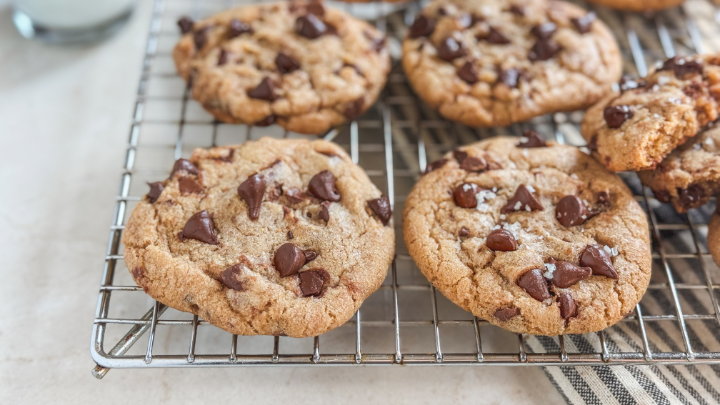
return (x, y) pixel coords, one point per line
(68, 21)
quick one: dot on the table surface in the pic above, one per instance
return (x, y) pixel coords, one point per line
(65, 113)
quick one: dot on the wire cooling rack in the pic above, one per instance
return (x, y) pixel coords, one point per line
(406, 321)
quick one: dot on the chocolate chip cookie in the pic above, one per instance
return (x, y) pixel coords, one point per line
(271, 237)
(638, 5)
(495, 62)
(302, 65)
(638, 126)
(713, 238)
(535, 237)
(690, 175)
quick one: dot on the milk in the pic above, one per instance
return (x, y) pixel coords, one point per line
(72, 14)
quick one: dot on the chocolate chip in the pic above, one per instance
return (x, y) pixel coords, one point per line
(309, 26)
(381, 208)
(502, 240)
(459, 155)
(185, 24)
(510, 77)
(312, 281)
(309, 215)
(435, 165)
(269, 120)
(592, 145)
(463, 232)
(568, 308)
(682, 67)
(322, 186)
(138, 273)
(155, 190)
(295, 195)
(475, 18)
(543, 49)
(188, 185)
(200, 38)
(316, 8)
(544, 31)
(237, 28)
(310, 255)
(264, 91)
(228, 158)
(184, 164)
(506, 313)
(325, 211)
(662, 195)
(597, 258)
(252, 191)
(532, 140)
(584, 24)
(468, 73)
(288, 259)
(523, 200)
(200, 227)
(474, 164)
(422, 27)
(616, 115)
(450, 49)
(290, 234)
(496, 37)
(464, 195)
(567, 274)
(571, 211)
(286, 63)
(517, 10)
(534, 284)
(628, 83)
(222, 59)
(229, 277)
(691, 196)
(354, 108)
(693, 90)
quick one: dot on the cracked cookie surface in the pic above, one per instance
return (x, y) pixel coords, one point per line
(638, 5)
(690, 175)
(492, 63)
(299, 64)
(538, 239)
(637, 127)
(271, 237)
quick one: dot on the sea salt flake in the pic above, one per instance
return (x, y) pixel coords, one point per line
(614, 251)
(467, 187)
(484, 195)
(709, 142)
(494, 189)
(607, 249)
(656, 115)
(517, 205)
(663, 80)
(674, 100)
(527, 208)
(496, 227)
(482, 207)
(697, 146)
(526, 152)
(655, 88)
(574, 176)
(531, 188)
(503, 216)
(523, 139)
(584, 217)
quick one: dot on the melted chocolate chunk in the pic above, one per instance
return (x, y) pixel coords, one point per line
(597, 258)
(468, 73)
(290, 234)
(310, 255)
(494, 36)
(200, 227)
(230, 277)
(571, 211)
(354, 108)
(567, 274)
(286, 63)
(523, 200)
(592, 145)
(615, 116)
(200, 38)
(223, 58)
(264, 91)
(459, 155)
(584, 24)
(309, 26)
(543, 49)
(155, 190)
(463, 232)
(475, 18)
(534, 284)
(381, 208)
(185, 24)
(450, 49)
(237, 28)
(510, 77)
(295, 195)
(422, 26)
(269, 120)
(662, 195)
(691, 196)
(435, 165)
(316, 8)
(532, 140)
(288, 259)
(568, 307)
(312, 281)
(504, 314)
(325, 211)
(252, 191)
(682, 67)
(517, 10)
(474, 164)
(322, 186)
(502, 240)
(544, 31)
(188, 185)
(465, 195)
(184, 164)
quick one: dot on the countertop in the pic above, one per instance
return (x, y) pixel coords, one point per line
(64, 120)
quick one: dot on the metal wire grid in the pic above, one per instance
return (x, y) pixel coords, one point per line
(400, 135)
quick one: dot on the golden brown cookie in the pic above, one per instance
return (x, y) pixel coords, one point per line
(535, 239)
(495, 62)
(638, 5)
(270, 237)
(299, 64)
(713, 238)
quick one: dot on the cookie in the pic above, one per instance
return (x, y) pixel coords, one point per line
(638, 5)
(271, 237)
(298, 64)
(713, 237)
(636, 127)
(495, 62)
(535, 239)
(690, 175)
